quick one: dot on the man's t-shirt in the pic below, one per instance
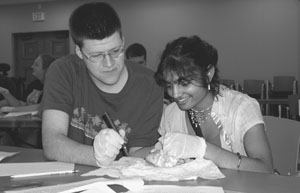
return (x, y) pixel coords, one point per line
(139, 105)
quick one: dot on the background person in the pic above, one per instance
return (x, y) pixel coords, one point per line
(137, 53)
(29, 137)
(80, 88)
(207, 119)
(11, 103)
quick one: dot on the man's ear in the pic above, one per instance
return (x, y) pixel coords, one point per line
(78, 52)
(211, 72)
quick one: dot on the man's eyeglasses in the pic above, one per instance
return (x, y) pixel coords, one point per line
(99, 57)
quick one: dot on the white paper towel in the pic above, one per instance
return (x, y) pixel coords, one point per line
(129, 167)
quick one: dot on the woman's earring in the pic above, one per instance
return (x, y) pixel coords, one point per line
(208, 87)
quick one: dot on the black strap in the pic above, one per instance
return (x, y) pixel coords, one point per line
(195, 125)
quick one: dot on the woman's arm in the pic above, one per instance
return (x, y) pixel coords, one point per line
(3, 103)
(256, 146)
(10, 99)
(8, 109)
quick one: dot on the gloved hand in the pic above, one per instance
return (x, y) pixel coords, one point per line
(183, 146)
(158, 146)
(107, 145)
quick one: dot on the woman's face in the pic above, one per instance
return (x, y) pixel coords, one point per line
(187, 94)
(37, 68)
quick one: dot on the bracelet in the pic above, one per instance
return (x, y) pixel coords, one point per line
(239, 160)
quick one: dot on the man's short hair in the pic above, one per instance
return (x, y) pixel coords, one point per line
(135, 50)
(96, 20)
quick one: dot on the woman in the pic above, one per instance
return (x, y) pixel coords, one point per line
(40, 66)
(207, 119)
(12, 104)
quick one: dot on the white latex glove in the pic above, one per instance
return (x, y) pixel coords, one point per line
(157, 147)
(107, 145)
(183, 146)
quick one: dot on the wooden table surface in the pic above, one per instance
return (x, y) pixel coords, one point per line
(25, 122)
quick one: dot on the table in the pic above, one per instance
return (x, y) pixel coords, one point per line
(235, 181)
(26, 122)
(12, 125)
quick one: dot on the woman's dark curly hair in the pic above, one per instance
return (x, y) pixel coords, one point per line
(190, 58)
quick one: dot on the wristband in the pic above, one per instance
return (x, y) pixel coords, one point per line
(239, 160)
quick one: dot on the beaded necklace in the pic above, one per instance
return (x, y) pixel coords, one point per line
(198, 117)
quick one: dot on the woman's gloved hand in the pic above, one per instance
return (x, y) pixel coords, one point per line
(107, 145)
(158, 146)
(184, 146)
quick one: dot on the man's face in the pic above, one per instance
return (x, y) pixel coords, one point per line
(139, 60)
(104, 60)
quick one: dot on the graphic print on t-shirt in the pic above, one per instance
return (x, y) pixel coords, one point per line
(91, 125)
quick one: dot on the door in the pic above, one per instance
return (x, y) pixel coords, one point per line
(27, 46)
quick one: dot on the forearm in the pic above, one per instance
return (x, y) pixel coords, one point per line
(3, 103)
(11, 100)
(226, 159)
(61, 148)
(26, 108)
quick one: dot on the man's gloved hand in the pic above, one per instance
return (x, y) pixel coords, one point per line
(184, 146)
(107, 145)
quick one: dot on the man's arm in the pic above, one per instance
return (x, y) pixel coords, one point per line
(56, 144)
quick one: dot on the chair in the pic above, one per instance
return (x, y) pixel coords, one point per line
(293, 101)
(231, 84)
(227, 82)
(282, 86)
(283, 135)
(4, 68)
(254, 88)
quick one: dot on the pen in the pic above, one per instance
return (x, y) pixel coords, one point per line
(111, 124)
(44, 174)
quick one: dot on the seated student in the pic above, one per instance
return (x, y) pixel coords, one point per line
(137, 53)
(11, 103)
(80, 88)
(207, 119)
(31, 136)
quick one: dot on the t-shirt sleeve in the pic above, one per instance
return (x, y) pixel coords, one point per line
(57, 89)
(249, 115)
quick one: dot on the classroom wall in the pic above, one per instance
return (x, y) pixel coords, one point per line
(255, 39)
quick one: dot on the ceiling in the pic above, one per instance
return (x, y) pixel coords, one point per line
(11, 2)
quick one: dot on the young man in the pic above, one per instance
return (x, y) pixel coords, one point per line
(80, 88)
(137, 53)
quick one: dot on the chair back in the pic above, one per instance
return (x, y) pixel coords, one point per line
(293, 101)
(254, 88)
(227, 82)
(283, 86)
(283, 135)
